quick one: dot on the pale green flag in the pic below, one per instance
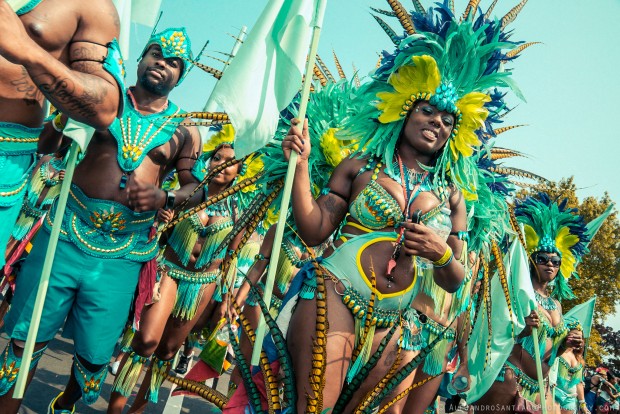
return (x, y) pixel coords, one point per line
(483, 372)
(584, 313)
(266, 73)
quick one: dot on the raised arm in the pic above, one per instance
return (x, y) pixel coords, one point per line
(316, 219)
(83, 90)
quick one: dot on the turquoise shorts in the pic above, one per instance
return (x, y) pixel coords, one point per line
(92, 294)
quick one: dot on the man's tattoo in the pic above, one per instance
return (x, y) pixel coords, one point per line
(25, 85)
(335, 209)
(86, 53)
(63, 91)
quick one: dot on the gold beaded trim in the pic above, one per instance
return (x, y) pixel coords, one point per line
(98, 249)
(77, 200)
(13, 139)
(146, 252)
(49, 221)
(13, 192)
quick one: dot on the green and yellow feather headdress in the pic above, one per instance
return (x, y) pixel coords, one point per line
(454, 64)
(550, 227)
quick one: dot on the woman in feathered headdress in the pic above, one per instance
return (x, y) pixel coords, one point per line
(417, 130)
(556, 239)
(189, 275)
(569, 391)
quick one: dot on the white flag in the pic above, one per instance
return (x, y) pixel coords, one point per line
(266, 73)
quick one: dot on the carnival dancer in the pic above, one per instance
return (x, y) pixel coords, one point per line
(569, 391)
(105, 236)
(189, 273)
(62, 51)
(556, 239)
(43, 188)
(426, 103)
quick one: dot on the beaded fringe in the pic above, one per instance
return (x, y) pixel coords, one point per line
(284, 272)
(127, 378)
(159, 371)
(189, 295)
(183, 240)
(128, 334)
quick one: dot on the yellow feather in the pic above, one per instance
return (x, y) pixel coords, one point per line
(421, 77)
(225, 136)
(531, 238)
(564, 241)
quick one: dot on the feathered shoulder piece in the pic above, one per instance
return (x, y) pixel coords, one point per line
(330, 105)
(550, 227)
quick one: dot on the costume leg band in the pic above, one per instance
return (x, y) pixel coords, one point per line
(128, 376)
(11, 364)
(90, 382)
(159, 371)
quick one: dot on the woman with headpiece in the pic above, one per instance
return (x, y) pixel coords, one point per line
(569, 390)
(556, 239)
(399, 210)
(189, 275)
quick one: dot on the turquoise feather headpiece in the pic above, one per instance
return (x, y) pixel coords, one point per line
(174, 43)
(552, 228)
(454, 63)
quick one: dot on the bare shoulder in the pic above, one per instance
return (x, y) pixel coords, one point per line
(350, 167)
(98, 21)
(456, 199)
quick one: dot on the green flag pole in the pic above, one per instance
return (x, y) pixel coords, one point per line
(541, 381)
(22, 378)
(290, 174)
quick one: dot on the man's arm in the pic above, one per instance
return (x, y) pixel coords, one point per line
(84, 91)
(185, 161)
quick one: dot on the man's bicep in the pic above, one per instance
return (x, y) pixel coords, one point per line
(99, 22)
(191, 148)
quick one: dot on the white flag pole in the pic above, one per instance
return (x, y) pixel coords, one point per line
(290, 174)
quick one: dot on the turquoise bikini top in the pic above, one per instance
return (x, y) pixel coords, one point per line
(374, 207)
(186, 234)
(137, 134)
(556, 334)
(569, 376)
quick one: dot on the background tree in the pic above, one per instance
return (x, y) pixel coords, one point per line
(599, 273)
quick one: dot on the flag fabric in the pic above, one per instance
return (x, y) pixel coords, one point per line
(484, 372)
(584, 313)
(266, 73)
(143, 12)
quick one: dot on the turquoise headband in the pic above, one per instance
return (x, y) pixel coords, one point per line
(174, 43)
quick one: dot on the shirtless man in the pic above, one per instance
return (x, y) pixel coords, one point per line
(50, 49)
(105, 234)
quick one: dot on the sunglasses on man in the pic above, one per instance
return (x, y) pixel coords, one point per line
(542, 258)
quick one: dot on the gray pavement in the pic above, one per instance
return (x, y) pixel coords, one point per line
(53, 373)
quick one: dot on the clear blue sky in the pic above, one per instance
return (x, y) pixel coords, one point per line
(570, 81)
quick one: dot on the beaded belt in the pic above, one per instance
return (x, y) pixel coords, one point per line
(178, 273)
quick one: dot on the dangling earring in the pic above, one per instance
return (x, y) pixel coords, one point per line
(417, 109)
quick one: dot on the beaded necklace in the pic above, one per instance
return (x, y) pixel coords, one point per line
(408, 200)
(546, 302)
